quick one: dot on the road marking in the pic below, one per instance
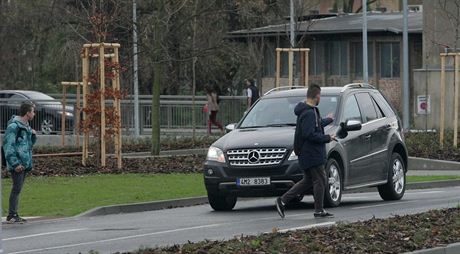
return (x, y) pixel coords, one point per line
(118, 238)
(42, 234)
(424, 192)
(323, 224)
(385, 204)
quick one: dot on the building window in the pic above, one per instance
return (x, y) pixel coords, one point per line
(338, 58)
(316, 58)
(389, 60)
(357, 51)
(269, 61)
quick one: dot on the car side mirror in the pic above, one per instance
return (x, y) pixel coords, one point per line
(230, 127)
(351, 125)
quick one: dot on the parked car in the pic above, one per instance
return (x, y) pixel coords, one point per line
(256, 158)
(48, 110)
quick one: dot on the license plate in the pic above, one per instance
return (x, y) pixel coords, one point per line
(254, 181)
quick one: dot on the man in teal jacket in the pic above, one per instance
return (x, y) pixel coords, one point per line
(17, 145)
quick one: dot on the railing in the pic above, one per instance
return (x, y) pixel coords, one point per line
(175, 112)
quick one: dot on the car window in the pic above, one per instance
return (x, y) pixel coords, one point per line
(382, 102)
(379, 111)
(16, 99)
(351, 110)
(367, 107)
(280, 111)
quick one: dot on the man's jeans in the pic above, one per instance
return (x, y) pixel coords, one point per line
(316, 174)
(18, 181)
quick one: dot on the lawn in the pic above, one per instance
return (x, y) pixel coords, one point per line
(71, 195)
(68, 196)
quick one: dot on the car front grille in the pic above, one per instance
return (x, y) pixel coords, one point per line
(256, 157)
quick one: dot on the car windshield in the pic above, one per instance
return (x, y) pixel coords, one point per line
(278, 112)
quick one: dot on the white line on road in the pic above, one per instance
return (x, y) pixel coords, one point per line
(323, 224)
(42, 234)
(424, 192)
(385, 204)
(117, 239)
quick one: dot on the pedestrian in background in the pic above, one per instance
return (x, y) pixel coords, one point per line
(252, 92)
(213, 108)
(310, 145)
(17, 144)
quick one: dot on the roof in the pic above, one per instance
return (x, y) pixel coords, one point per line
(303, 92)
(349, 23)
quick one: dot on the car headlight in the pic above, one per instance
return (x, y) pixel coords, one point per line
(66, 113)
(293, 157)
(215, 154)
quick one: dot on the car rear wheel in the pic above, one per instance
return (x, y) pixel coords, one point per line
(333, 193)
(396, 186)
(222, 202)
(46, 126)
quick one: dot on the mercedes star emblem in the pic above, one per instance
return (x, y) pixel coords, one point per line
(253, 157)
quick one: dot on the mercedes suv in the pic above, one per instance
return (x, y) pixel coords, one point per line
(256, 158)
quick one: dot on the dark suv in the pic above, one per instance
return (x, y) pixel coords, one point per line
(256, 158)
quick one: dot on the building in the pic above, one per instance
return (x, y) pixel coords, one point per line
(335, 44)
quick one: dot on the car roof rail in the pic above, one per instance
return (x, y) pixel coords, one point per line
(283, 88)
(357, 85)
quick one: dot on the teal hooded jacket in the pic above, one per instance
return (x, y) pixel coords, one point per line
(17, 144)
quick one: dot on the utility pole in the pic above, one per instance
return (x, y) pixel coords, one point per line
(406, 97)
(135, 73)
(365, 64)
(292, 37)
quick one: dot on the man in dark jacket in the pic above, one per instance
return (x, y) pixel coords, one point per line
(252, 92)
(311, 140)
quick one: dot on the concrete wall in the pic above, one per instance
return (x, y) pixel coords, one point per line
(428, 82)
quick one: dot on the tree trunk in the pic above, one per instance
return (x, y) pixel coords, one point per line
(157, 72)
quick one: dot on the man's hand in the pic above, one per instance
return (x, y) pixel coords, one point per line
(19, 169)
(330, 115)
(333, 137)
(34, 132)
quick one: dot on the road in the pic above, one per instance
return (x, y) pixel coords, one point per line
(127, 232)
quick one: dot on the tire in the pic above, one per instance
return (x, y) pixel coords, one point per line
(222, 202)
(47, 126)
(333, 193)
(396, 186)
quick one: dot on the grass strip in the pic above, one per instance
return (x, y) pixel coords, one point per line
(68, 196)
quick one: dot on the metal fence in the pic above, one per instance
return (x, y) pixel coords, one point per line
(175, 112)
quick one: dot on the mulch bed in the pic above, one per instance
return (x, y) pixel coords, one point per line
(394, 235)
(71, 166)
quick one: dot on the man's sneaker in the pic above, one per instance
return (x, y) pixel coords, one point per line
(280, 207)
(14, 218)
(323, 214)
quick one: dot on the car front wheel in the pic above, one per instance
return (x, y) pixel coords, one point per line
(46, 126)
(396, 186)
(333, 193)
(222, 202)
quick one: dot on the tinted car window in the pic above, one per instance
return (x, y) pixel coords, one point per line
(383, 104)
(280, 111)
(379, 111)
(351, 110)
(367, 107)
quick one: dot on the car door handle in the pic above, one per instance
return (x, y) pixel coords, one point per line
(367, 136)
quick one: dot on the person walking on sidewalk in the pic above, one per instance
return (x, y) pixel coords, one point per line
(213, 108)
(252, 92)
(310, 145)
(17, 145)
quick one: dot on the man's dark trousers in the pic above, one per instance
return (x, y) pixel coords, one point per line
(18, 182)
(317, 174)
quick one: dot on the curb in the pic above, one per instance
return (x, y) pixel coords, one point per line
(143, 207)
(184, 202)
(453, 248)
(416, 163)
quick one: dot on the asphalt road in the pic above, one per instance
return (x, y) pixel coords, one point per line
(126, 232)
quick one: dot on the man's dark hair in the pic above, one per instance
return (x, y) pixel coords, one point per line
(26, 107)
(313, 91)
(251, 81)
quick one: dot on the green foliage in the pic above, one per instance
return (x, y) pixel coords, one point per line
(426, 145)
